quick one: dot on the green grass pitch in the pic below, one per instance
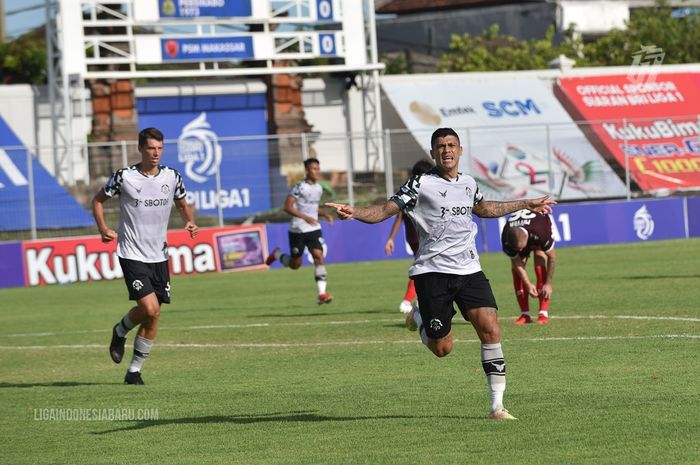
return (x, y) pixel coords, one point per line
(247, 369)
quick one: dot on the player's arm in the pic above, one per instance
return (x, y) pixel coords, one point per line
(98, 213)
(389, 246)
(496, 209)
(518, 264)
(551, 266)
(372, 214)
(289, 208)
(186, 214)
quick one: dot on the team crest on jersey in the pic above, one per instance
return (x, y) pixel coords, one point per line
(137, 285)
(469, 192)
(165, 189)
(435, 324)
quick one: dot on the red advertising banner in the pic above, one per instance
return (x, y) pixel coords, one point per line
(654, 121)
(63, 261)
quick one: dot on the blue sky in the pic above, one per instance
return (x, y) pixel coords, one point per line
(21, 22)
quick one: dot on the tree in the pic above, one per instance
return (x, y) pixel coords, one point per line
(660, 27)
(23, 61)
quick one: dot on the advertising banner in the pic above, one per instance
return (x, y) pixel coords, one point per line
(216, 169)
(518, 141)
(64, 261)
(11, 265)
(654, 123)
(606, 223)
(53, 205)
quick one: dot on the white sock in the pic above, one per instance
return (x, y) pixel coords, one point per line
(495, 368)
(321, 279)
(545, 313)
(142, 347)
(124, 326)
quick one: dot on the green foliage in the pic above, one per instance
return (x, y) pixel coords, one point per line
(679, 38)
(23, 61)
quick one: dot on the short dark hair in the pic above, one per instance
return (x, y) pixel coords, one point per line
(442, 132)
(310, 161)
(150, 133)
(421, 167)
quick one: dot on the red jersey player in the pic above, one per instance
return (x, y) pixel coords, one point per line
(525, 232)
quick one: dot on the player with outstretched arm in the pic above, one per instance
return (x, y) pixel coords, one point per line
(447, 269)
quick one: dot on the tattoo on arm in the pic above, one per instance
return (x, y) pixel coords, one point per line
(495, 209)
(375, 213)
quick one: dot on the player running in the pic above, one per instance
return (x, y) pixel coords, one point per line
(304, 229)
(147, 192)
(447, 269)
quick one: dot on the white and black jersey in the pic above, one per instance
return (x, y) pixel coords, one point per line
(307, 197)
(144, 203)
(441, 211)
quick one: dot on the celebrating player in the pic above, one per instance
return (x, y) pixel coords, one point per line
(146, 193)
(529, 231)
(447, 270)
(304, 229)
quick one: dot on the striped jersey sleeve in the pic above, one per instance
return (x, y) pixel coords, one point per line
(407, 195)
(114, 183)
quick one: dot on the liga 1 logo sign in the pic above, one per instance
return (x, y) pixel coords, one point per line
(65, 261)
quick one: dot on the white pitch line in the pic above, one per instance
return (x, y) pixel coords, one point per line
(346, 322)
(282, 345)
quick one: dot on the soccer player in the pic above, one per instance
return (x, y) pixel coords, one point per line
(529, 231)
(146, 193)
(420, 167)
(447, 270)
(302, 204)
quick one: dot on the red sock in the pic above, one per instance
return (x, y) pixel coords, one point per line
(410, 291)
(520, 293)
(541, 272)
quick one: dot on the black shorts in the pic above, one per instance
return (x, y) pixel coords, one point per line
(297, 242)
(143, 278)
(438, 291)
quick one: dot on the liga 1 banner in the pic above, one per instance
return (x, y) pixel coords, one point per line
(654, 123)
(65, 261)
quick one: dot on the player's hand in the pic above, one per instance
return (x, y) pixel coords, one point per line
(192, 228)
(546, 291)
(389, 247)
(531, 289)
(108, 235)
(344, 212)
(330, 219)
(310, 220)
(541, 205)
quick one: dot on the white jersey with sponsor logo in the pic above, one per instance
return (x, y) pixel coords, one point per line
(441, 211)
(144, 204)
(307, 197)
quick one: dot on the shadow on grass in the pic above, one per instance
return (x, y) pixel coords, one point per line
(669, 276)
(288, 417)
(54, 384)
